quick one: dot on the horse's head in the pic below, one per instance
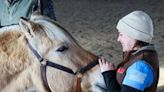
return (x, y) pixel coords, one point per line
(54, 43)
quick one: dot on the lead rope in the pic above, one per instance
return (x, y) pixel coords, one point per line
(78, 85)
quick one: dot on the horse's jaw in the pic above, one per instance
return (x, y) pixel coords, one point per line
(95, 81)
(99, 86)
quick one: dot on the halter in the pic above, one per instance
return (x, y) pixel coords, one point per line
(78, 73)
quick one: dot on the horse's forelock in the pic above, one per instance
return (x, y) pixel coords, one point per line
(40, 17)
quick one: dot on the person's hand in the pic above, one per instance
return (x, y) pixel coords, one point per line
(105, 65)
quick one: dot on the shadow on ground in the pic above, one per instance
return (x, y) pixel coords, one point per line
(161, 89)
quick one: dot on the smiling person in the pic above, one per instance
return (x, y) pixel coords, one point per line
(139, 69)
(12, 10)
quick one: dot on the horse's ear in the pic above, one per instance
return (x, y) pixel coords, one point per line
(25, 26)
(34, 14)
(37, 12)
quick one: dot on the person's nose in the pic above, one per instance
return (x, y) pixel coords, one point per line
(118, 39)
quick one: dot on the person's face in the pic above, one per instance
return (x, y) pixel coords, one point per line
(126, 42)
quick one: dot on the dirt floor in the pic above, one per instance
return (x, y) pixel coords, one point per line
(93, 22)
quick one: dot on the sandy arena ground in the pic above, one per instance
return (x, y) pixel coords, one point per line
(93, 22)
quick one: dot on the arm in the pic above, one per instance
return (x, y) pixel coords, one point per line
(139, 76)
(112, 84)
(110, 81)
(109, 74)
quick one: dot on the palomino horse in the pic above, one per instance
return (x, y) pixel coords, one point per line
(40, 53)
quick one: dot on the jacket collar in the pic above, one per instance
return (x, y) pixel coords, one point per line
(150, 47)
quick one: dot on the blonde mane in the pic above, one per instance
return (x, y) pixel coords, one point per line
(14, 56)
(54, 30)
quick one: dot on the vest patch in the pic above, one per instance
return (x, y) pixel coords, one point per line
(137, 76)
(120, 70)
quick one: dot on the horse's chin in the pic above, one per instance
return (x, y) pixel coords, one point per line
(99, 88)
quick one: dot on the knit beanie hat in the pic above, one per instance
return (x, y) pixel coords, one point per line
(137, 25)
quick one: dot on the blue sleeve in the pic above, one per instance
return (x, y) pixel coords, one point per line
(139, 75)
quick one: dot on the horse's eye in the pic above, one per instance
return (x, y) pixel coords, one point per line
(62, 49)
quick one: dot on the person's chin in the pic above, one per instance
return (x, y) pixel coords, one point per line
(125, 50)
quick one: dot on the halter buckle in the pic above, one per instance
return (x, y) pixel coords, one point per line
(79, 75)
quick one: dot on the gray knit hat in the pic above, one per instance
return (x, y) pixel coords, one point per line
(137, 25)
